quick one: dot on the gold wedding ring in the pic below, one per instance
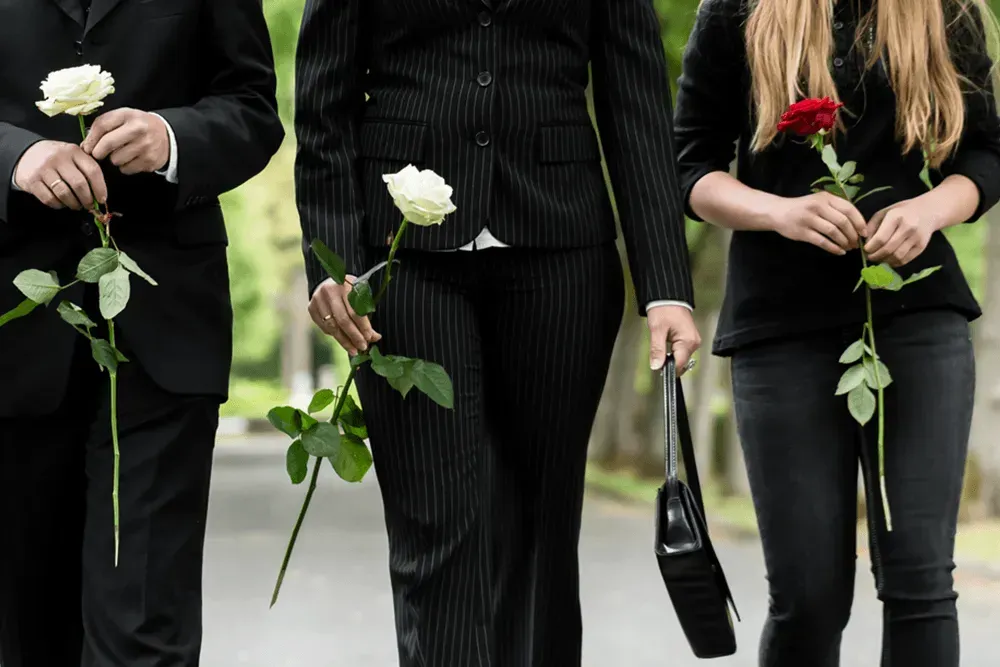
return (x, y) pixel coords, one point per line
(55, 183)
(328, 318)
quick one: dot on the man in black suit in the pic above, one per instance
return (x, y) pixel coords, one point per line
(483, 503)
(193, 115)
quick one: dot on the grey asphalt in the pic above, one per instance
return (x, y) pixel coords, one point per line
(335, 608)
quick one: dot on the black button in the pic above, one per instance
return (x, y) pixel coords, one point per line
(485, 19)
(79, 48)
(484, 79)
(838, 25)
(838, 62)
(482, 139)
(87, 228)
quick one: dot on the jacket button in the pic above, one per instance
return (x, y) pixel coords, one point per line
(87, 228)
(485, 19)
(79, 47)
(838, 62)
(482, 139)
(484, 79)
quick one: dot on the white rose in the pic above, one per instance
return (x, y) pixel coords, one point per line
(76, 91)
(423, 197)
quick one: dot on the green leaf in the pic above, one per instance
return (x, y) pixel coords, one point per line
(114, 291)
(853, 352)
(39, 286)
(404, 382)
(131, 266)
(834, 190)
(352, 419)
(883, 374)
(925, 176)
(920, 275)
(330, 261)
(852, 377)
(851, 191)
(73, 315)
(119, 356)
(882, 276)
(824, 179)
(359, 360)
(285, 419)
(433, 380)
(361, 298)
(873, 191)
(104, 354)
(304, 421)
(390, 368)
(352, 460)
(830, 159)
(20, 310)
(861, 281)
(321, 400)
(861, 404)
(297, 462)
(847, 171)
(96, 263)
(856, 178)
(321, 440)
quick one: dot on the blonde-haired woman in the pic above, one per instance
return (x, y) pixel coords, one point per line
(914, 76)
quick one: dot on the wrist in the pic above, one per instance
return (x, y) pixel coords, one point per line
(953, 202)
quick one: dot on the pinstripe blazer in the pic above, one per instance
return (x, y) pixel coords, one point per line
(491, 95)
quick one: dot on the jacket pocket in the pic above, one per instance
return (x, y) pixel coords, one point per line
(566, 143)
(393, 140)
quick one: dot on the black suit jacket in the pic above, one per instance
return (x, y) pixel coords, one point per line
(491, 95)
(204, 65)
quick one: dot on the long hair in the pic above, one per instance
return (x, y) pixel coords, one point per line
(790, 44)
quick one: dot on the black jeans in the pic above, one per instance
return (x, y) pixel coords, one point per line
(802, 451)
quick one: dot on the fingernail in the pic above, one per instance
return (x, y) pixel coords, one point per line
(655, 365)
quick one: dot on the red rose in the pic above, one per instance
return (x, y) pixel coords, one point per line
(810, 116)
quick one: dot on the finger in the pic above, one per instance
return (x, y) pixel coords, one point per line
(875, 223)
(105, 123)
(682, 351)
(820, 241)
(911, 254)
(843, 223)
(77, 182)
(58, 186)
(854, 217)
(886, 230)
(130, 152)
(889, 248)
(344, 321)
(43, 194)
(320, 311)
(828, 228)
(657, 347)
(898, 257)
(362, 323)
(117, 139)
(95, 177)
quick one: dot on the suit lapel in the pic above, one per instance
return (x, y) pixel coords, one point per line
(99, 9)
(489, 3)
(73, 9)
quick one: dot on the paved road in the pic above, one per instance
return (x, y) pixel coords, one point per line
(335, 610)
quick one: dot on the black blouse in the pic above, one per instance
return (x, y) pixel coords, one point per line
(777, 287)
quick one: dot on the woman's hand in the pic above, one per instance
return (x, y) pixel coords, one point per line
(332, 312)
(899, 233)
(822, 219)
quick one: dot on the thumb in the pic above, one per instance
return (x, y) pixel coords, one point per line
(657, 350)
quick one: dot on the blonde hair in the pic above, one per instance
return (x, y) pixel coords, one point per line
(790, 44)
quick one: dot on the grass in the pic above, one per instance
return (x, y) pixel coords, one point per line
(977, 541)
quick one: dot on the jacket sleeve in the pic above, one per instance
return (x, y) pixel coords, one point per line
(712, 105)
(329, 96)
(14, 141)
(230, 134)
(633, 108)
(977, 156)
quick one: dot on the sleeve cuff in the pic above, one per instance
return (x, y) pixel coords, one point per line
(170, 172)
(656, 304)
(981, 168)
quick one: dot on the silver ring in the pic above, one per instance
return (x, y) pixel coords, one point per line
(690, 364)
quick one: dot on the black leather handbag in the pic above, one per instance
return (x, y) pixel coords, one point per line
(691, 570)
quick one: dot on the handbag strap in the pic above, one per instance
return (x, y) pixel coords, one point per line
(677, 435)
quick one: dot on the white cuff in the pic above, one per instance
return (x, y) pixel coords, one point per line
(657, 304)
(13, 183)
(170, 172)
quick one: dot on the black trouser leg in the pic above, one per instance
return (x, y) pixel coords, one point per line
(147, 612)
(802, 450)
(483, 503)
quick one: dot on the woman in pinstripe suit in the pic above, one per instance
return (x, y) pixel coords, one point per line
(519, 294)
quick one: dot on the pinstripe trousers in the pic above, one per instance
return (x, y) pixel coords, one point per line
(483, 503)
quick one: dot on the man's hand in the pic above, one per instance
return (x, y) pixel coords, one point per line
(332, 313)
(61, 175)
(899, 233)
(673, 328)
(136, 141)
